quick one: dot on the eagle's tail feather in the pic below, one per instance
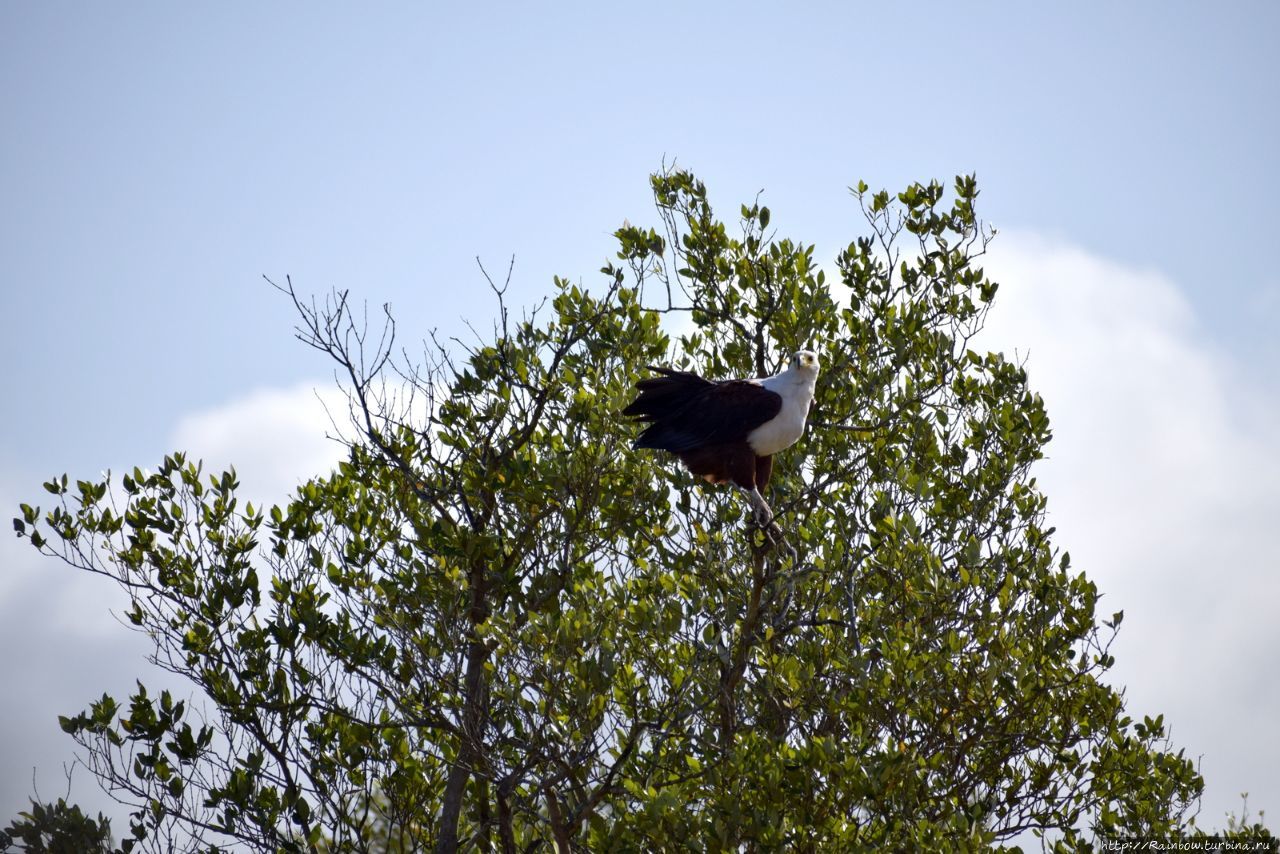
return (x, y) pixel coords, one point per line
(664, 396)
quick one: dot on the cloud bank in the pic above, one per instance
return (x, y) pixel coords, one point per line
(1161, 480)
(275, 438)
(63, 646)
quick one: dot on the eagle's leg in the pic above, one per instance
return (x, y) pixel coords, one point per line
(763, 515)
(764, 519)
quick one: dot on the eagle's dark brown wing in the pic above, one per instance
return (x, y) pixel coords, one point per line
(687, 412)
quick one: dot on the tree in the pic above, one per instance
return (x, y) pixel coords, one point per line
(496, 626)
(57, 828)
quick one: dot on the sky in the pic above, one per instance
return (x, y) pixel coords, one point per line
(156, 161)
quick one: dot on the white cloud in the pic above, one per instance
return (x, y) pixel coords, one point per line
(1161, 481)
(275, 438)
(61, 646)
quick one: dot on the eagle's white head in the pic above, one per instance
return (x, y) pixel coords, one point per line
(800, 377)
(804, 360)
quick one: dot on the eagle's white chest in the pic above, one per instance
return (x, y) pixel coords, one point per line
(787, 426)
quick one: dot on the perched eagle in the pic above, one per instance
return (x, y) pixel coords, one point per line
(727, 432)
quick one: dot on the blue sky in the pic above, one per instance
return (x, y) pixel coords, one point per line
(156, 160)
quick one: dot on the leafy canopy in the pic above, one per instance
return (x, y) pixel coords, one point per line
(495, 624)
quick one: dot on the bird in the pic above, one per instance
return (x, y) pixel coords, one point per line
(727, 431)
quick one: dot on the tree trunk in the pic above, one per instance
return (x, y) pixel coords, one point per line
(472, 729)
(564, 844)
(732, 673)
(484, 818)
(505, 831)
